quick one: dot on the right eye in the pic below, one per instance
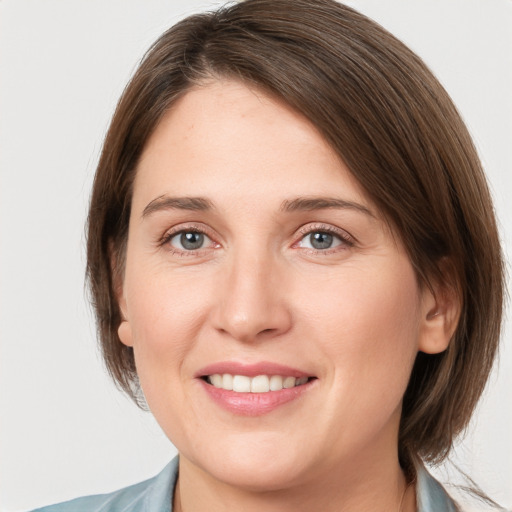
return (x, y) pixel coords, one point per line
(189, 240)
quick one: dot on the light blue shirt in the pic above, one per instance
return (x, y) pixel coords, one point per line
(155, 495)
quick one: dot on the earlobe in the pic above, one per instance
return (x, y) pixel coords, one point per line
(124, 331)
(440, 316)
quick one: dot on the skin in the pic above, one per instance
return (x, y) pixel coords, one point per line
(351, 315)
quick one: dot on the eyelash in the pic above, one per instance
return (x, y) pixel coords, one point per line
(346, 239)
(169, 235)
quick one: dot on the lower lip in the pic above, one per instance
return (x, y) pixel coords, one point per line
(254, 404)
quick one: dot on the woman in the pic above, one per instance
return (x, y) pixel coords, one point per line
(294, 262)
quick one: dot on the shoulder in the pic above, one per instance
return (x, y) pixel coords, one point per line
(153, 495)
(430, 494)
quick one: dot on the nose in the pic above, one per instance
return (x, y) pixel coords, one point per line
(252, 303)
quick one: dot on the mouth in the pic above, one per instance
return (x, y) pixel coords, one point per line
(254, 389)
(257, 384)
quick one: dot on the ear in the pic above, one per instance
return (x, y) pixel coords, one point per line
(441, 308)
(117, 265)
(124, 331)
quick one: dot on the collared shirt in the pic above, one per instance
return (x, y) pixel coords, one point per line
(155, 495)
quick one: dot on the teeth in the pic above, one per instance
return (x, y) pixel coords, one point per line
(289, 382)
(258, 384)
(216, 380)
(276, 383)
(301, 380)
(227, 382)
(241, 383)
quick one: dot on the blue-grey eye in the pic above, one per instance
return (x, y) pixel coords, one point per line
(320, 240)
(188, 240)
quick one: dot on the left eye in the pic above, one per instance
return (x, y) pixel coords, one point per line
(320, 240)
(189, 240)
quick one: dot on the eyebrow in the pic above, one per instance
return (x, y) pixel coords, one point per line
(298, 204)
(177, 203)
(320, 203)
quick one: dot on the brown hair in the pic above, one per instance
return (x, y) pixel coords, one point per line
(394, 126)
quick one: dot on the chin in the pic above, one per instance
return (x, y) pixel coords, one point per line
(262, 478)
(256, 466)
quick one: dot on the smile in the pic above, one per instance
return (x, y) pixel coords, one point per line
(257, 384)
(254, 389)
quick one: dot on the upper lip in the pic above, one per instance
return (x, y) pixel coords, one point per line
(251, 369)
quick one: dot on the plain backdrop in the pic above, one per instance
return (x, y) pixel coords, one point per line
(65, 430)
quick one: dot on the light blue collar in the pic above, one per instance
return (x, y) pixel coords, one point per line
(430, 494)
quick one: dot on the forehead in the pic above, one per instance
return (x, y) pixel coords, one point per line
(235, 142)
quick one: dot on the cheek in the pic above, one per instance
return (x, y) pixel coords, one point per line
(163, 332)
(161, 304)
(165, 316)
(366, 324)
(370, 320)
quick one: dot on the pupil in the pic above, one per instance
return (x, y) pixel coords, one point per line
(320, 240)
(191, 241)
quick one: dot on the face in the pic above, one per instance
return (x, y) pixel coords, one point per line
(270, 308)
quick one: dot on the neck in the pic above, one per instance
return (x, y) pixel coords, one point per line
(364, 485)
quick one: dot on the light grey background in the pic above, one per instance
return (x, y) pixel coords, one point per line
(65, 430)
